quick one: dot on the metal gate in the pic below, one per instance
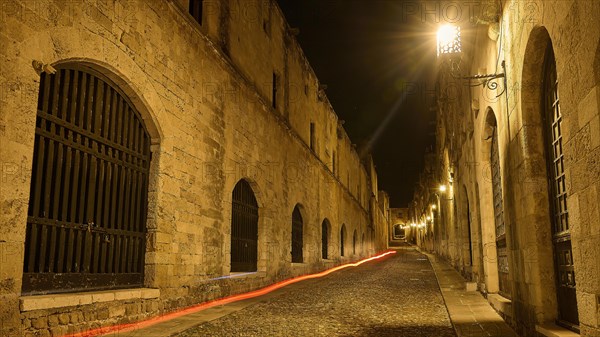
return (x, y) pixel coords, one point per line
(324, 239)
(561, 233)
(86, 221)
(244, 228)
(297, 240)
(502, 254)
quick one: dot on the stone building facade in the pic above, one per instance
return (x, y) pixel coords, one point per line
(146, 145)
(519, 155)
(399, 225)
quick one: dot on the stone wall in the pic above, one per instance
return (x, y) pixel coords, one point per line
(205, 92)
(526, 29)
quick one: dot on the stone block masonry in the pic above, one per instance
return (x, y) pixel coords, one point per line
(224, 95)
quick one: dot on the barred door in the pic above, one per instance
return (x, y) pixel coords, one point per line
(561, 233)
(244, 228)
(324, 239)
(297, 239)
(86, 221)
(502, 254)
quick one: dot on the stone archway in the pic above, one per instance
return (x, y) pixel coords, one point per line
(541, 118)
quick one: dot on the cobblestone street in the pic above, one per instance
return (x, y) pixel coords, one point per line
(396, 296)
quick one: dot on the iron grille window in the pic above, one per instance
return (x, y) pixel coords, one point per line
(86, 221)
(501, 249)
(244, 228)
(297, 239)
(324, 239)
(561, 234)
(195, 9)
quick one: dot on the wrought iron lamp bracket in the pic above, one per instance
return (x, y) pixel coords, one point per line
(488, 81)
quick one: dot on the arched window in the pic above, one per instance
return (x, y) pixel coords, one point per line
(86, 224)
(342, 239)
(501, 249)
(561, 232)
(354, 243)
(297, 239)
(325, 238)
(244, 228)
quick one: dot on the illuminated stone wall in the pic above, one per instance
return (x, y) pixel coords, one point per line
(465, 123)
(205, 92)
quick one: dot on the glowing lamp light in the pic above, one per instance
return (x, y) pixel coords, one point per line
(448, 40)
(413, 225)
(433, 206)
(428, 218)
(443, 188)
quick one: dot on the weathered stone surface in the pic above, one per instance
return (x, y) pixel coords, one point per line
(400, 297)
(464, 225)
(204, 93)
(40, 323)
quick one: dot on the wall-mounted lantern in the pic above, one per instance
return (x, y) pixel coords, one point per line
(449, 50)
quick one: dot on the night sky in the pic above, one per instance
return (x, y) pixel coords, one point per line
(377, 59)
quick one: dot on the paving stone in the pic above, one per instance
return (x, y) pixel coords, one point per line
(374, 299)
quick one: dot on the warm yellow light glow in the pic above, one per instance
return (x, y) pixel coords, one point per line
(443, 188)
(413, 225)
(433, 206)
(428, 218)
(448, 39)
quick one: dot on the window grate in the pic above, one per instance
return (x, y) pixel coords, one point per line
(86, 221)
(324, 239)
(244, 228)
(501, 250)
(297, 238)
(561, 234)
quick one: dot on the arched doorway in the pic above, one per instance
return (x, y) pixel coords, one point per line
(86, 225)
(244, 228)
(325, 228)
(297, 236)
(498, 207)
(551, 227)
(561, 231)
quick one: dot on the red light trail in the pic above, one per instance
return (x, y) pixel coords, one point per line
(221, 301)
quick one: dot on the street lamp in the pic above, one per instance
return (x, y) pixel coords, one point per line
(448, 40)
(449, 49)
